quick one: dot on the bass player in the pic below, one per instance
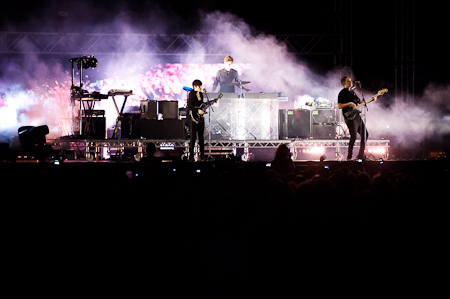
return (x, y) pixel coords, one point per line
(347, 100)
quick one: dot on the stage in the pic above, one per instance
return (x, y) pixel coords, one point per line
(247, 150)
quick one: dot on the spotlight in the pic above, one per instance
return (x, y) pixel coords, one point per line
(85, 62)
(90, 62)
(376, 150)
(314, 150)
(33, 141)
(30, 136)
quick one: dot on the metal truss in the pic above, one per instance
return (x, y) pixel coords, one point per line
(404, 50)
(90, 148)
(246, 143)
(299, 146)
(343, 24)
(334, 143)
(318, 44)
(126, 143)
(156, 44)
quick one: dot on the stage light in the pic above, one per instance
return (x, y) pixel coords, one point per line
(85, 62)
(376, 150)
(30, 136)
(314, 150)
(89, 62)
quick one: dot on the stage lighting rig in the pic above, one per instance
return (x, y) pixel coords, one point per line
(77, 92)
(85, 62)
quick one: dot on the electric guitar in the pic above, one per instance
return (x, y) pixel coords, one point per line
(352, 113)
(197, 118)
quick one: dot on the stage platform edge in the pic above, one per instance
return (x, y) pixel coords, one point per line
(249, 150)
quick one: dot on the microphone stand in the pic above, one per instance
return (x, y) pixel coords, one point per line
(365, 115)
(209, 130)
(241, 94)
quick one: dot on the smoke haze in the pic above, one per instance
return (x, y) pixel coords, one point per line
(34, 90)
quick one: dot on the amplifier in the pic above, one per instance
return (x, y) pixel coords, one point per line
(169, 109)
(129, 127)
(294, 123)
(324, 131)
(94, 127)
(324, 117)
(149, 109)
(323, 124)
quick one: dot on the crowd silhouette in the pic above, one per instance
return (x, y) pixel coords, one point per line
(230, 229)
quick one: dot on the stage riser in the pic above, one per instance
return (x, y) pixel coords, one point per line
(256, 150)
(336, 153)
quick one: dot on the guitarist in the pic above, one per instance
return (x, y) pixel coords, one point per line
(347, 100)
(195, 99)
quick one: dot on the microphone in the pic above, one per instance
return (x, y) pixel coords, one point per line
(359, 83)
(206, 93)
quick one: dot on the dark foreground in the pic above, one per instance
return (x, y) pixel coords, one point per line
(227, 230)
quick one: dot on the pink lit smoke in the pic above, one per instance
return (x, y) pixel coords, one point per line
(35, 92)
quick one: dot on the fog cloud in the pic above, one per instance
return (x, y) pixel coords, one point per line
(36, 80)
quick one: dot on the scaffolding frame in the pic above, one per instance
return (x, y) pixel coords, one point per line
(91, 148)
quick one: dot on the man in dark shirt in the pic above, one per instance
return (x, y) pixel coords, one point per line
(196, 124)
(347, 100)
(226, 76)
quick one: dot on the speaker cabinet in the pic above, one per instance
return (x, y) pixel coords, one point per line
(149, 109)
(169, 109)
(323, 123)
(324, 131)
(323, 117)
(294, 124)
(129, 127)
(94, 127)
(162, 129)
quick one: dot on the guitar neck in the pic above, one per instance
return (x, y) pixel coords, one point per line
(208, 103)
(368, 101)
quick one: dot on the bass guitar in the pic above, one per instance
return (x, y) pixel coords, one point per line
(352, 113)
(197, 118)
